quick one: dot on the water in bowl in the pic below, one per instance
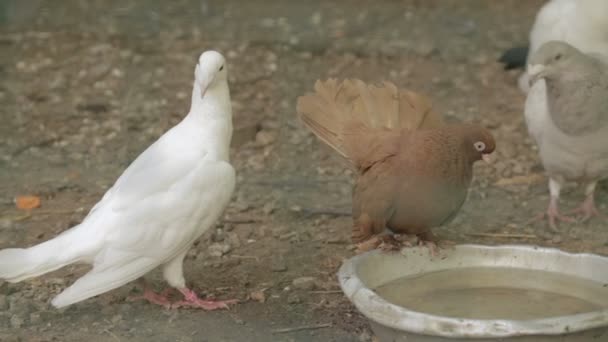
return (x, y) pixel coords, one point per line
(496, 293)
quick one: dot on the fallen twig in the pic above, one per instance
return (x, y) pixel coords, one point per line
(242, 221)
(304, 327)
(111, 334)
(330, 212)
(504, 235)
(17, 218)
(245, 257)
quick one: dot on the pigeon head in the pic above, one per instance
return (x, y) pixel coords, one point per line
(551, 58)
(479, 143)
(210, 71)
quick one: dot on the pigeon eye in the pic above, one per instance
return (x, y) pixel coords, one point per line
(221, 68)
(558, 57)
(480, 146)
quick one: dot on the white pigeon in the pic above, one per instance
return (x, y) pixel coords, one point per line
(170, 195)
(581, 23)
(567, 114)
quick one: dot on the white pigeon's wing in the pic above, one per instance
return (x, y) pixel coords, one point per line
(154, 229)
(582, 24)
(553, 22)
(155, 170)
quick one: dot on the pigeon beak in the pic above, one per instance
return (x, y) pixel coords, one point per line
(536, 71)
(205, 86)
(486, 158)
(203, 80)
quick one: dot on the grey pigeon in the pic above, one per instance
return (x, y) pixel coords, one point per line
(567, 114)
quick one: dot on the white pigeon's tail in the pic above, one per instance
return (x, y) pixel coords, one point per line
(17, 264)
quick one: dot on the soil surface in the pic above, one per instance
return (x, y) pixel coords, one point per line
(87, 85)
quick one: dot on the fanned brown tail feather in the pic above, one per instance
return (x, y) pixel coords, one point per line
(351, 116)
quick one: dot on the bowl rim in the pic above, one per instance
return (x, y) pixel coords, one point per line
(379, 310)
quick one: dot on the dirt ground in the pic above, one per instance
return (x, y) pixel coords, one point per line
(87, 85)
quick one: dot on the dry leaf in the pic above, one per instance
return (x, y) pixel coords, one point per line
(27, 202)
(258, 296)
(521, 180)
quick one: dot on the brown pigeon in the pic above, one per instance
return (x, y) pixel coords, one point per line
(412, 171)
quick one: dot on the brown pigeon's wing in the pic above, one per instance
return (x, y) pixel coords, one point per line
(366, 146)
(354, 118)
(416, 112)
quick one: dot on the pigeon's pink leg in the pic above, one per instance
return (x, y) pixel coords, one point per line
(192, 300)
(552, 214)
(588, 208)
(154, 298)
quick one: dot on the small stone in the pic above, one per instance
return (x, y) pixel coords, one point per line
(258, 296)
(316, 18)
(219, 249)
(219, 235)
(365, 337)
(116, 318)
(304, 283)
(268, 208)
(233, 239)
(279, 231)
(335, 239)
(278, 265)
(288, 236)
(35, 318)
(19, 304)
(3, 303)
(5, 224)
(17, 321)
(293, 298)
(263, 138)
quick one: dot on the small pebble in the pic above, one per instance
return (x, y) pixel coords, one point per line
(3, 303)
(278, 265)
(304, 283)
(116, 318)
(293, 298)
(219, 249)
(17, 321)
(35, 318)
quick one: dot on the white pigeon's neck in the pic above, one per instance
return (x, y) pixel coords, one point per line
(216, 101)
(212, 117)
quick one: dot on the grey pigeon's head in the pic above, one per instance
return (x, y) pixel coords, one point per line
(552, 57)
(210, 71)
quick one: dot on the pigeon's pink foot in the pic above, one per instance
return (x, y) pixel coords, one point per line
(587, 209)
(192, 300)
(552, 214)
(154, 298)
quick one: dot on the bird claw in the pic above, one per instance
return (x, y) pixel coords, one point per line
(190, 300)
(368, 245)
(552, 215)
(153, 297)
(208, 305)
(587, 210)
(193, 301)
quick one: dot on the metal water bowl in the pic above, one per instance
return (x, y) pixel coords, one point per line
(362, 274)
